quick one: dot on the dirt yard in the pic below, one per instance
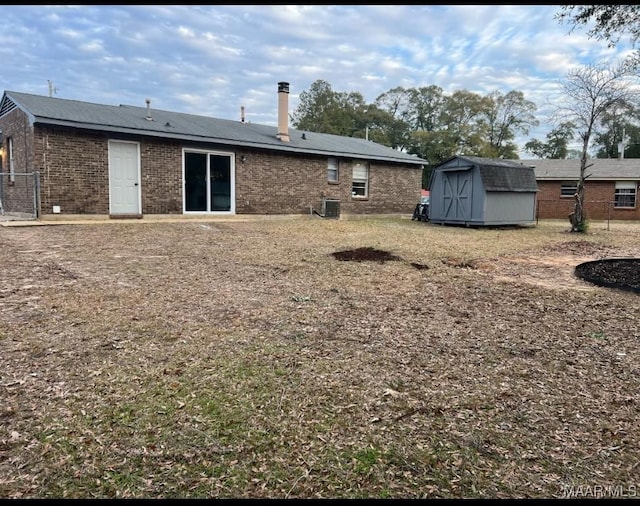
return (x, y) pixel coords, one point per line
(275, 358)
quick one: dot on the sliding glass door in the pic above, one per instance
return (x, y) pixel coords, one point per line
(208, 182)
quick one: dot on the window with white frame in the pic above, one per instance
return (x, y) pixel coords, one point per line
(625, 194)
(332, 170)
(12, 168)
(360, 180)
(568, 188)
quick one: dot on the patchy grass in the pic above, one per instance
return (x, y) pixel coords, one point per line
(242, 359)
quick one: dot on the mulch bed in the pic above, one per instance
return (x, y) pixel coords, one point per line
(621, 273)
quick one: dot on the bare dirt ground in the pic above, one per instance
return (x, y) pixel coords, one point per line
(278, 359)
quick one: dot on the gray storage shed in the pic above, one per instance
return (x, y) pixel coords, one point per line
(469, 190)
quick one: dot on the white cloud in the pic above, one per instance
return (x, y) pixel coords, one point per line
(185, 32)
(211, 59)
(92, 46)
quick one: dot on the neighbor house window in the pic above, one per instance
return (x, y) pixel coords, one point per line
(360, 180)
(12, 168)
(332, 170)
(625, 194)
(568, 189)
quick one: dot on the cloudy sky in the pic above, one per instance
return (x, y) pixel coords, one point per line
(213, 59)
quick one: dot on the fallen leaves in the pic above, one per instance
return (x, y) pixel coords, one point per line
(242, 359)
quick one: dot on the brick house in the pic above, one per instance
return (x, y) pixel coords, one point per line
(126, 161)
(610, 190)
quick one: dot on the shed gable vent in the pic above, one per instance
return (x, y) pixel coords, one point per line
(7, 106)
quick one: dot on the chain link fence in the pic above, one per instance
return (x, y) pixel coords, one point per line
(595, 209)
(599, 210)
(19, 196)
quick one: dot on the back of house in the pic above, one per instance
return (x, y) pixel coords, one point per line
(73, 157)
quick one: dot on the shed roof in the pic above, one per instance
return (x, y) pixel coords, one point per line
(498, 174)
(174, 125)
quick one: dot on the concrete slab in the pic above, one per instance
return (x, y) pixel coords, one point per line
(90, 219)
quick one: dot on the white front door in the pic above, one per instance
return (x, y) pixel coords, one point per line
(124, 178)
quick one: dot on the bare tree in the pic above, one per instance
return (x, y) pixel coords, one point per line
(589, 93)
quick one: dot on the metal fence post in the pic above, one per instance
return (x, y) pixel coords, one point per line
(36, 194)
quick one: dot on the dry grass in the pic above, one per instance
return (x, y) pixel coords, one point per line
(243, 359)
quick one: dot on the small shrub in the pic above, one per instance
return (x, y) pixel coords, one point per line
(583, 227)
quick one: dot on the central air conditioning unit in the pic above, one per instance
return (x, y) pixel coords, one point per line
(331, 208)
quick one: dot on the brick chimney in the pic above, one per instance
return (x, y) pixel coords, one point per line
(283, 111)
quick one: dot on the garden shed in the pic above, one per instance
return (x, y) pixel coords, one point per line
(474, 191)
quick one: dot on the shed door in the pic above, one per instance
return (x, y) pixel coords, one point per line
(124, 178)
(457, 195)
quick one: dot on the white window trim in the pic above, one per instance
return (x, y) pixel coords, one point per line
(12, 166)
(332, 169)
(207, 152)
(625, 185)
(568, 185)
(360, 174)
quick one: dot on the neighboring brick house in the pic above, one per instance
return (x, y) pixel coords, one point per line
(127, 161)
(610, 190)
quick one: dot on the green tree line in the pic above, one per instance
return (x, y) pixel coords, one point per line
(436, 126)
(599, 106)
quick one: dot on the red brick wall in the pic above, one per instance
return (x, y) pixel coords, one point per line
(269, 182)
(598, 198)
(161, 173)
(74, 174)
(17, 196)
(16, 125)
(74, 170)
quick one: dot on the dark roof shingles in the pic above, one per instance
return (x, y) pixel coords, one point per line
(126, 118)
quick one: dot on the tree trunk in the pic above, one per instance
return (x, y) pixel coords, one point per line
(578, 217)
